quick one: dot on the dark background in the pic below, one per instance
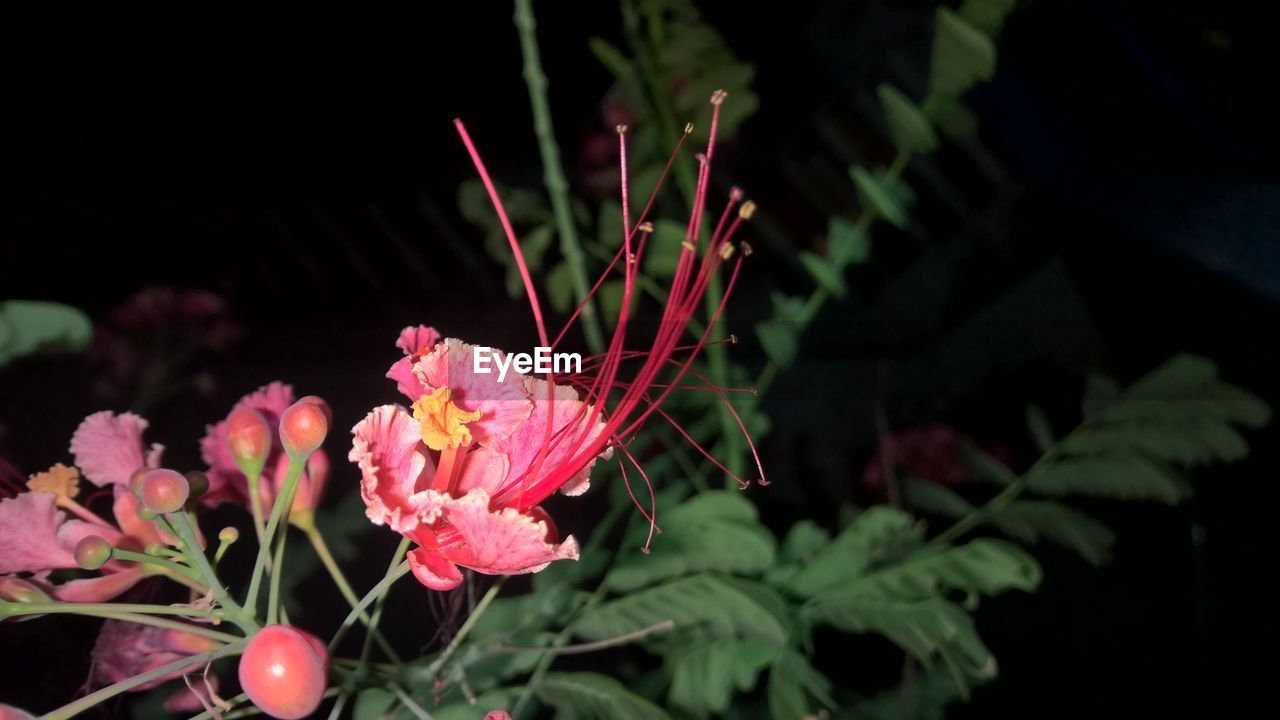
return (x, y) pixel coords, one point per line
(1119, 205)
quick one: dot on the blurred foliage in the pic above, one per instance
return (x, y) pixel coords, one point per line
(28, 327)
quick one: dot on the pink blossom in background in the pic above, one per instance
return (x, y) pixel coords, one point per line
(228, 484)
(126, 649)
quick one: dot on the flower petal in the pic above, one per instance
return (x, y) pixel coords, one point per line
(503, 404)
(29, 525)
(434, 571)
(98, 589)
(395, 468)
(415, 342)
(505, 542)
(108, 447)
(568, 417)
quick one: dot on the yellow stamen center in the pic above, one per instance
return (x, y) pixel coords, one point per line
(60, 480)
(443, 424)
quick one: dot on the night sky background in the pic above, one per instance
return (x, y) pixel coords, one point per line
(1120, 204)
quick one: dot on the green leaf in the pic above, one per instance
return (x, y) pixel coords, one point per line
(612, 58)
(847, 243)
(779, 339)
(987, 15)
(715, 530)
(28, 327)
(1123, 477)
(587, 695)
(952, 117)
(962, 55)
(698, 600)
(984, 466)
(927, 628)
(880, 196)
(824, 272)
(609, 300)
(984, 566)
(559, 287)
(804, 540)
(909, 128)
(704, 675)
(372, 703)
(792, 681)
(930, 497)
(664, 248)
(867, 540)
(930, 694)
(1189, 442)
(1031, 521)
(788, 308)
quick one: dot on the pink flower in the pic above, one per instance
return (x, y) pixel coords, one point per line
(465, 473)
(931, 452)
(227, 483)
(448, 475)
(39, 537)
(124, 650)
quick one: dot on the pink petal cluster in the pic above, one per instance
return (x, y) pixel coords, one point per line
(38, 537)
(227, 483)
(125, 649)
(474, 506)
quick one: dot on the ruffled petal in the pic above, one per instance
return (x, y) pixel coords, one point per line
(503, 404)
(434, 571)
(502, 542)
(415, 342)
(567, 433)
(29, 526)
(395, 469)
(482, 468)
(108, 447)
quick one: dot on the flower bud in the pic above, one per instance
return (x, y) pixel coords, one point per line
(228, 535)
(199, 483)
(135, 480)
(284, 671)
(92, 552)
(17, 590)
(324, 406)
(248, 439)
(302, 428)
(164, 491)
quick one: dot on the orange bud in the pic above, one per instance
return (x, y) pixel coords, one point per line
(302, 428)
(284, 671)
(164, 491)
(248, 439)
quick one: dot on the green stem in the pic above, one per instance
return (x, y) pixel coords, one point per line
(255, 505)
(8, 609)
(326, 558)
(553, 174)
(112, 612)
(465, 630)
(195, 556)
(279, 515)
(144, 559)
(273, 595)
(94, 698)
(409, 703)
(400, 571)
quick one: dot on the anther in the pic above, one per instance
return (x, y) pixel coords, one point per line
(701, 158)
(747, 210)
(726, 251)
(646, 227)
(733, 339)
(718, 97)
(688, 128)
(688, 246)
(746, 249)
(622, 129)
(735, 193)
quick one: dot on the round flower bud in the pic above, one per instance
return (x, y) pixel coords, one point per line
(248, 439)
(324, 406)
(228, 535)
(165, 491)
(302, 428)
(284, 671)
(92, 552)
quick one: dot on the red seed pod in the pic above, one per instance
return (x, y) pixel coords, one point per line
(92, 552)
(284, 671)
(164, 491)
(248, 439)
(319, 401)
(302, 428)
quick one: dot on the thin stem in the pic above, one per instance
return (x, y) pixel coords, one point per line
(465, 630)
(94, 698)
(129, 617)
(273, 595)
(553, 173)
(15, 609)
(144, 559)
(195, 555)
(978, 515)
(255, 505)
(279, 514)
(412, 706)
(581, 648)
(400, 571)
(344, 587)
